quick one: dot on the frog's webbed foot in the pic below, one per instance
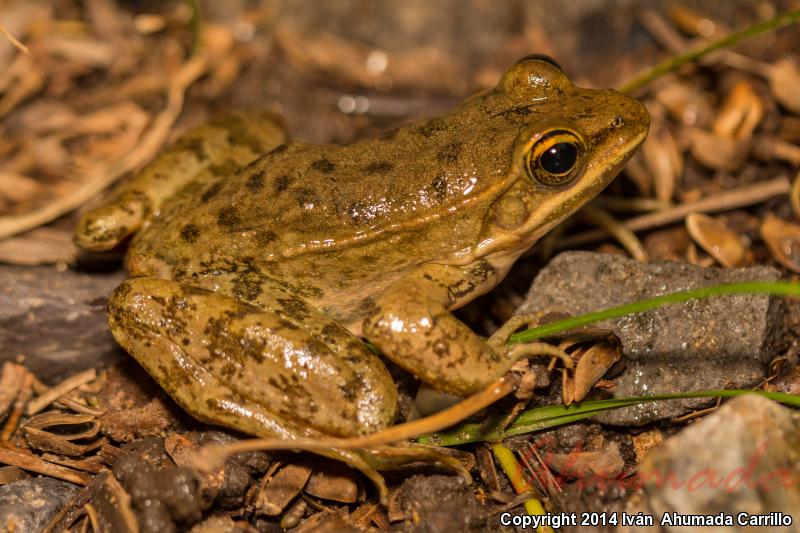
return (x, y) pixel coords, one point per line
(499, 341)
(205, 153)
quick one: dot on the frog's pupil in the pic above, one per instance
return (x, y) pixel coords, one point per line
(559, 158)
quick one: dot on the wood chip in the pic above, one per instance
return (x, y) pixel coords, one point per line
(33, 463)
(63, 433)
(23, 394)
(11, 377)
(282, 488)
(93, 467)
(333, 481)
(56, 392)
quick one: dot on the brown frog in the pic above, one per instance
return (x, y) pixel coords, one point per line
(255, 276)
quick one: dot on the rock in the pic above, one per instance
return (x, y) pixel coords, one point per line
(724, 342)
(26, 506)
(56, 320)
(742, 458)
(439, 503)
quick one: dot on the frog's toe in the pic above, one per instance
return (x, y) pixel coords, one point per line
(105, 227)
(409, 455)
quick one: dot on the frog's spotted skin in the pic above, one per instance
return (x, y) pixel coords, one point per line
(252, 286)
(206, 154)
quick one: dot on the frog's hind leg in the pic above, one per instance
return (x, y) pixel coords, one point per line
(207, 152)
(275, 371)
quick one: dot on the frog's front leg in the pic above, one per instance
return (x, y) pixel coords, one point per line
(412, 324)
(205, 153)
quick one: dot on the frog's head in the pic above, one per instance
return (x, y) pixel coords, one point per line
(571, 143)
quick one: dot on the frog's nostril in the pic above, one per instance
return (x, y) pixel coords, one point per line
(616, 123)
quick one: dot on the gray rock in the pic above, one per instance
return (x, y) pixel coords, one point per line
(56, 320)
(742, 458)
(28, 505)
(723, 342)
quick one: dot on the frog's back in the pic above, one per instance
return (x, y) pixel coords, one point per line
(313, 204)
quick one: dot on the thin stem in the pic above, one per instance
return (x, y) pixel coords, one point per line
(551, 416)
(678, 61)
(778, 288)
(508, 462)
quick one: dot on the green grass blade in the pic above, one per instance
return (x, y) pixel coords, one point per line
(780, 288)
(678, 61)
(551, 416)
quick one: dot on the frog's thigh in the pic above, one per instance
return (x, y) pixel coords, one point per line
(214, 149)
(263, 372)
(412, 325)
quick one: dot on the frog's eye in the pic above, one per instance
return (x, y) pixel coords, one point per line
(541, 57)
(555, 158)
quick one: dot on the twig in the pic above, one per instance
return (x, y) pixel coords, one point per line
(615, 228)
(106, 175)
(10, 382)
(33, 463)
(53, 394)
(19, 406)
(13, 40)
(750, 195)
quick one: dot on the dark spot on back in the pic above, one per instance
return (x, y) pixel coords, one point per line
(263, 238)
(194, 145)
(256, 181)
(520, 111)
(439, 186)
(449, 153)
(378, 167)
(323, 165)
(431, 126)
(228, 217)
(331, 331)
(211, 192)
(190, 233)
(306, 198)
(225, 168)
(388, 135)
(279, 149)
(282, 183)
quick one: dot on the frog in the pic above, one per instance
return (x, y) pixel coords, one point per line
(258, 264)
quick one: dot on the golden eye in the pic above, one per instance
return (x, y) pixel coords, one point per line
(555, 159)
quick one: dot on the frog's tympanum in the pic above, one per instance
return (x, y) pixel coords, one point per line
(258, 264)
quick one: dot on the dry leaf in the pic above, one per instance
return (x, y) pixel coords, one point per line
(592, 365)
(740, 113)
(783, 240)
(716, 152)
(719, 241)
(784, 82)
